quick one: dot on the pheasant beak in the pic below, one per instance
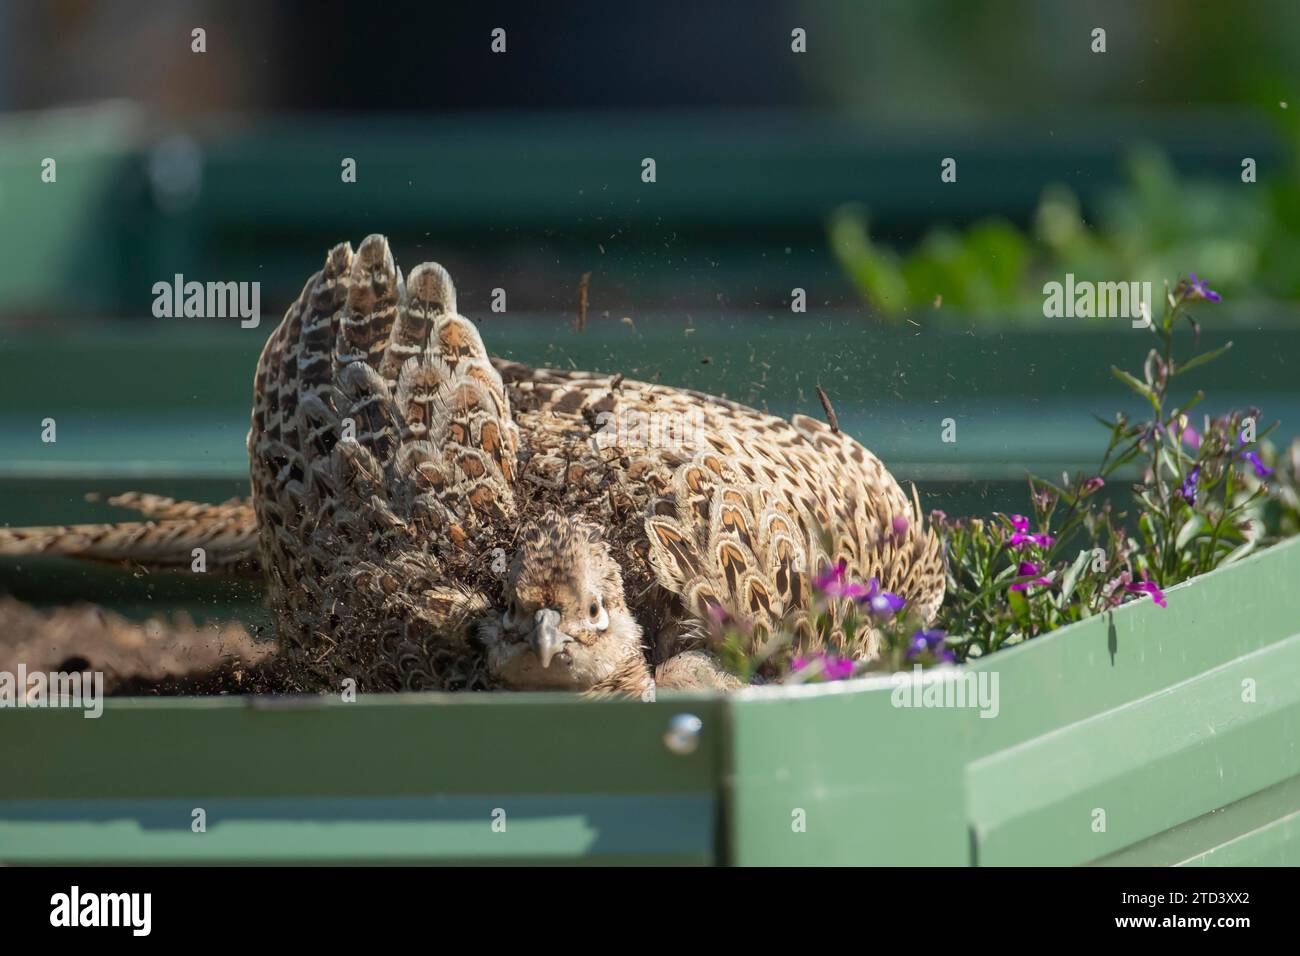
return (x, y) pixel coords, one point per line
(547, 638)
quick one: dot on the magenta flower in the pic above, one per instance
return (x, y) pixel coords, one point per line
(1026, 569)
(830, 667)
(1021, 536)
(717, 615)
(1146, 586)
(900, 526)
(879, 602)
(1261, 469)
(837, 668)
(1093, 484)
(832, 583)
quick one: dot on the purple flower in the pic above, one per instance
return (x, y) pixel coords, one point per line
(931, 641)
(1093, 484)
(900, 526)
(1195, 288)
(832, 583)
(1187, 490)
(1026, 569)
(1261, 470)
(1146, 586)
(880, 602)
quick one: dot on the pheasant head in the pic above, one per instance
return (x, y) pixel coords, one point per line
(565, 623)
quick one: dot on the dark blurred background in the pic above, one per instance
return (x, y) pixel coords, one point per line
(522, 169)
(776, 171)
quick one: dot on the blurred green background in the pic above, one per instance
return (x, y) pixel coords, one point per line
(776, 171)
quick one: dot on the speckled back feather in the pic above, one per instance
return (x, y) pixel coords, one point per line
(744, 511)
(382, 454)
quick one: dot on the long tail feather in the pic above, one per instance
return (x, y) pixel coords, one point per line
(227, 534)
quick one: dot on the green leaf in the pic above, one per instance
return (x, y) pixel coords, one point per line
(1239, 552)
(1194, 401)
(874, 269)
(1019, 606)
(1188, 531)
(1136, 385)
(1072, 576)
(1201, 359)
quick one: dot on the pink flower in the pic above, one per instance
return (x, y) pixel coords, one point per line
(1146, 586)
(829, 666)
(832, 583)
(1021, 536)
(717, 614)
(837, 668)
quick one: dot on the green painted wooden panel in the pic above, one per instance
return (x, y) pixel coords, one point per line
(1149, 765)
(409, 777)
(1139, 712)
(837, 775)
(1259, 830)
(498, 828)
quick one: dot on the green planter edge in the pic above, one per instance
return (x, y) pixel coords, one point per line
(1144, 736)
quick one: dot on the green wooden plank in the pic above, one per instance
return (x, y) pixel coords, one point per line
(496, 828)
(381, 745)
(387, 778)
(1276, 843)
(1257, 830)
(838, 776)
(1148, 766)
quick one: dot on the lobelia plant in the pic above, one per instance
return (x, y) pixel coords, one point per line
(1199, 503)
(1203, 498)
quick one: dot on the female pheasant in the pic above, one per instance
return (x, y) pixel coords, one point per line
(428, 516)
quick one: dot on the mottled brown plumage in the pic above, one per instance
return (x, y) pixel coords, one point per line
(736, 509)
(430, 517)
(226, 532)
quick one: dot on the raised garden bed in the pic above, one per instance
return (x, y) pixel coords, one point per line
(1145, 735)
(1180, 724)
